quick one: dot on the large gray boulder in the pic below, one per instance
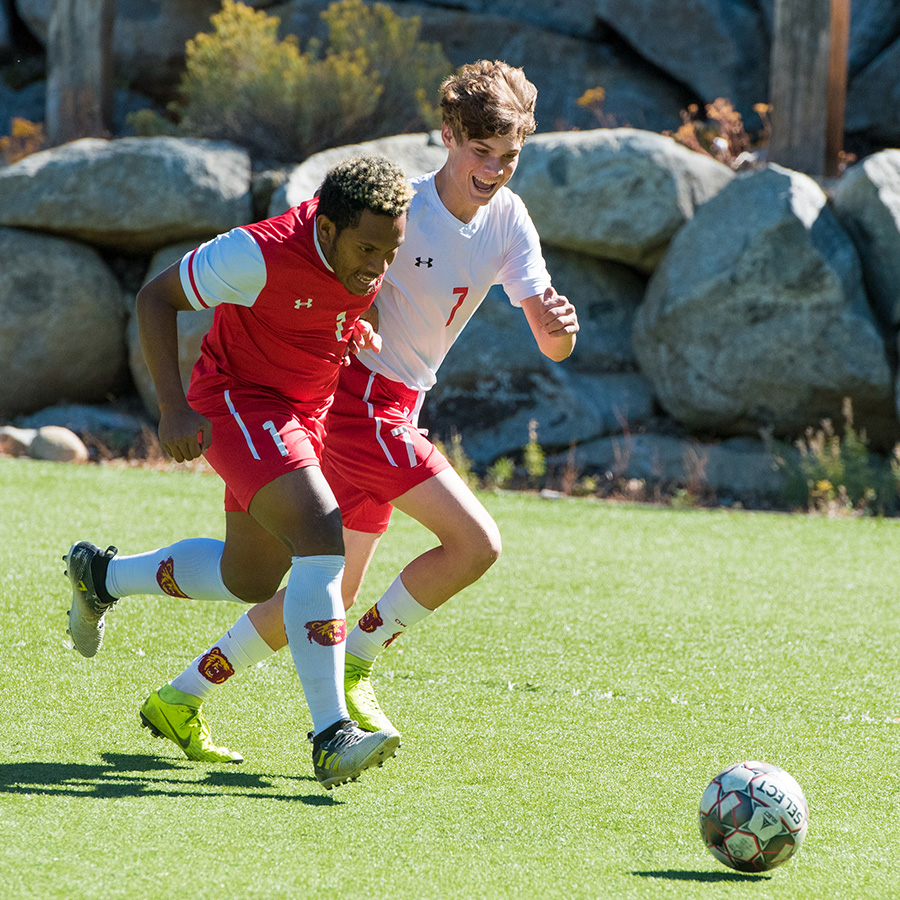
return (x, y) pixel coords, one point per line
(607, 296)
(133, 194)
(495, 381)
(416, 154)
(867, 201)
(874, 25)
(620, 194)
(867, 204)
(719, 48)
(757, 317)
(873, 99)
(62, 324)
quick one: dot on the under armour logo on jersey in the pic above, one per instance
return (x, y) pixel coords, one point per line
(306, 303)
(424, 262)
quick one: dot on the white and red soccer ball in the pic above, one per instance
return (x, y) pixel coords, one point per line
(753, 816)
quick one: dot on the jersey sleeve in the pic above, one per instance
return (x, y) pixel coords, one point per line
(523, 272)
(228, 269)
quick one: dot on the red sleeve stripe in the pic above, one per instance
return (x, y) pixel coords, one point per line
(190, 265)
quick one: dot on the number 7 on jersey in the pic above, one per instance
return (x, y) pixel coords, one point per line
(463, 293)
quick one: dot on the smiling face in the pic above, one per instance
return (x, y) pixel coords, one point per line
(475, 170)
(360, 254)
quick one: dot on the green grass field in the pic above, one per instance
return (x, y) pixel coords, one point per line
(560, 718)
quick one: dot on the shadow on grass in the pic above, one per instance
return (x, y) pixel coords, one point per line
(138, 775)
(684, 875)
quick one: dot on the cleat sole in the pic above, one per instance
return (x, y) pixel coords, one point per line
(146, 723)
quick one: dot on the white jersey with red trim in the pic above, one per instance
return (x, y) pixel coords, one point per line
(442, 273)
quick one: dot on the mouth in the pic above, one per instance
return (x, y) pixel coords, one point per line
(366, 283)
(483, 187)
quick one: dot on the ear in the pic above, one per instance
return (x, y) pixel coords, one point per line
(327, 232)
(447, 135)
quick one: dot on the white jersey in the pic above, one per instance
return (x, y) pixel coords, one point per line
(442, 273)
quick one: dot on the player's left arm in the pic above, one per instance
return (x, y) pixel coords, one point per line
(553, 322)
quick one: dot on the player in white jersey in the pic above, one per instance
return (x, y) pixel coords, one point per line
(465, 232)
(446, 270)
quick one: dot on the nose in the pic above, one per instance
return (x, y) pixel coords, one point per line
(375, 267)
(493, 167)
(381, 261)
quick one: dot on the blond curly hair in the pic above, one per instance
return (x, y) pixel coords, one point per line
(363, 183)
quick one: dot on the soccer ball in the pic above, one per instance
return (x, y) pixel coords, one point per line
(753, 816)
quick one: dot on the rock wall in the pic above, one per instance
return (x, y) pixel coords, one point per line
(714, 306)
(652, 57)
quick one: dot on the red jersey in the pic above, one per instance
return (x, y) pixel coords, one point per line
(282, 319)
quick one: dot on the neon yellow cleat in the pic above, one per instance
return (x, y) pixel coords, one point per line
(185, 726)
(362, 705)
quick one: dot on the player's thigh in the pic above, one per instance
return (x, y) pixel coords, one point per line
(253, 561)
(299, 509)
(446, 507)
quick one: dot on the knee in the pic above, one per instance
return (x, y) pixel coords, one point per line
(350, 588)
(326, 539)
(493, 549)
(258, 595)
(257, 589)
(485, 550)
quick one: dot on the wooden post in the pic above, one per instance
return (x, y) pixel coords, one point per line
(837, 85)
(808, 82)
(80, 77)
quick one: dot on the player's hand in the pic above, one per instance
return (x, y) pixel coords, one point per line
(362, 337)
(184, 433)
(558, 316)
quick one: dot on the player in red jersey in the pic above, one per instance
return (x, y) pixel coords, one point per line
(288, 293)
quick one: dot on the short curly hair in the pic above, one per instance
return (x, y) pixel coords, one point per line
(363, 183)
(488, 99)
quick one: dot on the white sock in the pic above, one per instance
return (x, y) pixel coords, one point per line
(316, 629)
(396, 611)
(190, 568)
(239, 648)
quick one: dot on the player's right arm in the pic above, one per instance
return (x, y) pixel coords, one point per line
(364, 335)
(183, 432)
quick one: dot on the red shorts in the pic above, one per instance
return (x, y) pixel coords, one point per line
(256, 437)
(373, 450)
